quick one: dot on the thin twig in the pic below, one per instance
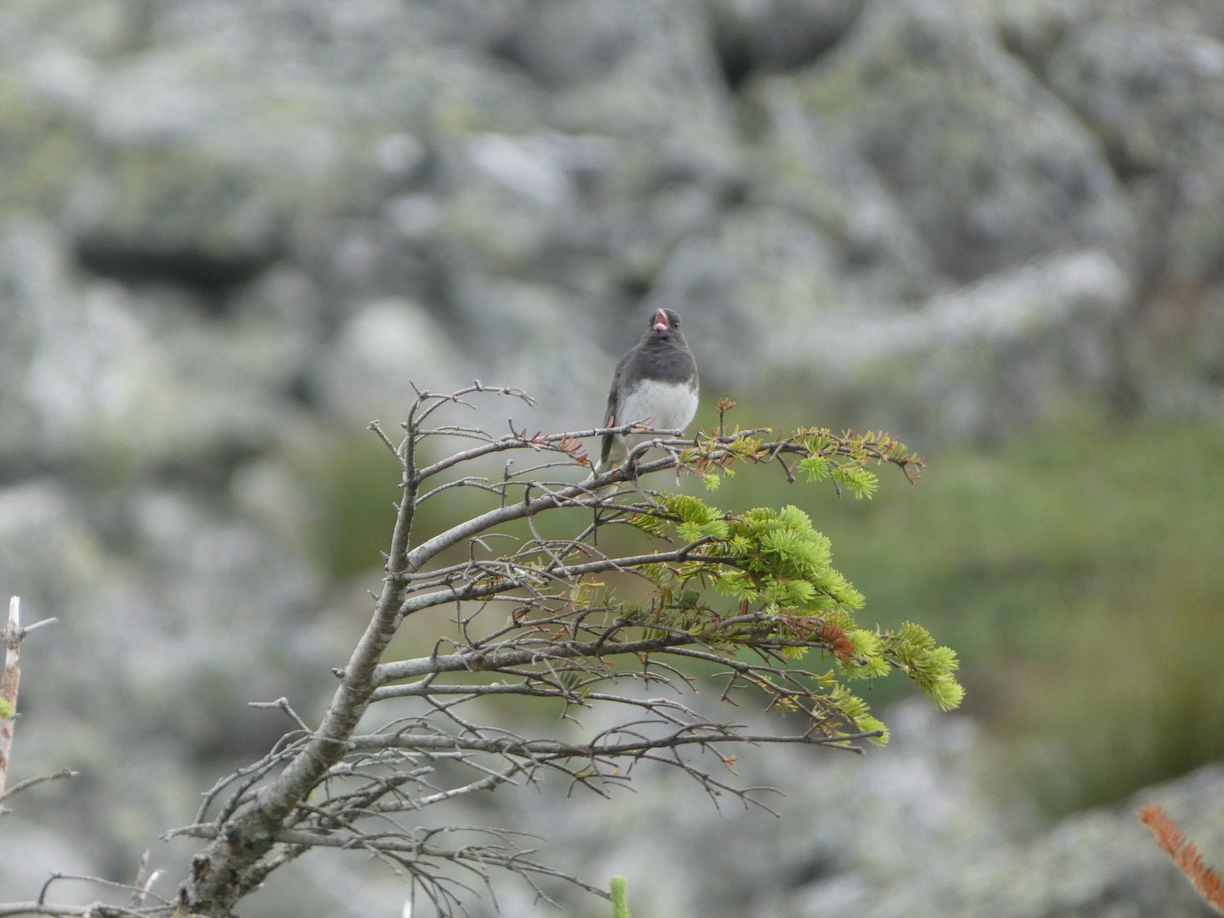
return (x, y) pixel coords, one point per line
(39, 779)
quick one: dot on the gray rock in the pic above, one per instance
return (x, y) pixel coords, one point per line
(1102, 863)
(968, 362)
(991, 168)
(116, 379)
(881, 256)
(1156, 97)
(642, 69)
(976, 361)
(818, 233)
(380, 353)
(169, 621)
(764, 274)
(777, 34)
(31, 279)
(210, 142)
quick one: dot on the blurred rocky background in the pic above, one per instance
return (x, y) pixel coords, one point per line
(233, 232)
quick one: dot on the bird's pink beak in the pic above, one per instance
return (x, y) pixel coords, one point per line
(660, 321)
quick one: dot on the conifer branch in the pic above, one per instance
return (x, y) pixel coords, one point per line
(530, 618)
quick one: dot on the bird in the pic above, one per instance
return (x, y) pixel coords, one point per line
(654, 385)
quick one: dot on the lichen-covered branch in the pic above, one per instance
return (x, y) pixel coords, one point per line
(12, 636)
(9, 683)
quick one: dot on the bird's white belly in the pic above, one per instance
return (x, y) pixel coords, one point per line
(666, 406)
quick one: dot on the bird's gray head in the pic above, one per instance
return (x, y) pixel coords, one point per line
(663, 323)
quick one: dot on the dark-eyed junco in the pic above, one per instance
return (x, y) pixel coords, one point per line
(655, 385)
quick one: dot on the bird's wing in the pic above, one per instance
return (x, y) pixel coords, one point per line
(613, 409)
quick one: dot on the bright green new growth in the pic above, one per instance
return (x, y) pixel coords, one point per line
(790, 597)
(620, 898)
